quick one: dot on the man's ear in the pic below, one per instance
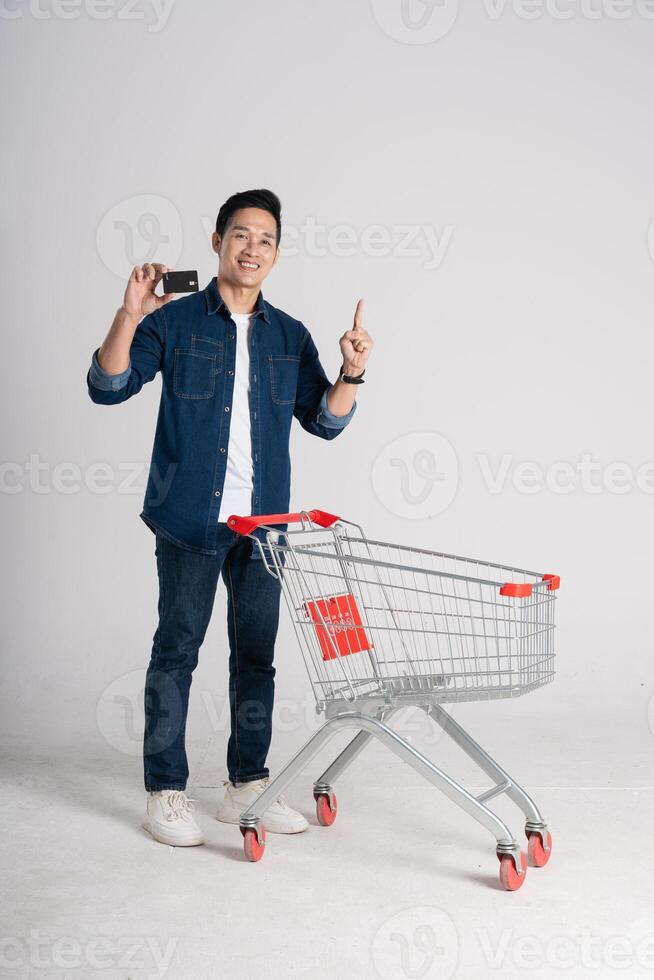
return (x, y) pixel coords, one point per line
(276, 256)
(215, 242)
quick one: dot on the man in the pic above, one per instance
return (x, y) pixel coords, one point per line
(235, 370)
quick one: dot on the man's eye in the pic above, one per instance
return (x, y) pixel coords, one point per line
(266, 243)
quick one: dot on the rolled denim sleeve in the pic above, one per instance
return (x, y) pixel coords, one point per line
(311, 395)
(145, 359)
(327, 418)
(99, 378)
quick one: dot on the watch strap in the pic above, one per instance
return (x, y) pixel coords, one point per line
(352, 379)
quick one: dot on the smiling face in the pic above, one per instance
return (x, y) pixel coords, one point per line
(248, 248)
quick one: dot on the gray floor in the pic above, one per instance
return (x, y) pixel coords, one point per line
(403, 885)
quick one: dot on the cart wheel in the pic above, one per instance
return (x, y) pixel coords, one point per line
(326, 814)
(253, 849)
(509, 877)
(538, 855)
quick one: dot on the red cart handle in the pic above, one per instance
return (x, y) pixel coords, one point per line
(243, 525)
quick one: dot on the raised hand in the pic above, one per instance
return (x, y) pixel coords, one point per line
(140, 298)
(356, 344)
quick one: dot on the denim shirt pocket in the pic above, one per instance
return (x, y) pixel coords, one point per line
(284, 370)
(194, 373)
(208, 345)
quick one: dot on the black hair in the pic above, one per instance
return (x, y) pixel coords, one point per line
(261, 198)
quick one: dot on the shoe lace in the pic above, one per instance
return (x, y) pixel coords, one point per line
(179, 805)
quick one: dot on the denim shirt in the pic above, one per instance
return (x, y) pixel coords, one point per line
(192, 341)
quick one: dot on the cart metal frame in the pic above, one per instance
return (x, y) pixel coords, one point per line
(418, 630)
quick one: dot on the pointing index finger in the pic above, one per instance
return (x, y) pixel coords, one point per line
(358, 316)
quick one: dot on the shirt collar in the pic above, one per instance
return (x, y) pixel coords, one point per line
(214, 301)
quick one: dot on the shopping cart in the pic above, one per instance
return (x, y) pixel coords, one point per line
(383, 626)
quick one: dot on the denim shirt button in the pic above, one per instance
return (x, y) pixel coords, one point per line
(217, 494)
(230, 372)
(226, 408)
(222, 449)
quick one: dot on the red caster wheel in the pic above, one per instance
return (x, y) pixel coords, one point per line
(538, 853)
(326, 814)
(509, 877)
(253, 849)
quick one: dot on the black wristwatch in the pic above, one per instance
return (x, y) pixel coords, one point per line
(351, 379)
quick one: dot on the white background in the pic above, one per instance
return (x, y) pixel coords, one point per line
(525, 145)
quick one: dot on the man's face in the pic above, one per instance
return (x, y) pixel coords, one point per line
(247, 249)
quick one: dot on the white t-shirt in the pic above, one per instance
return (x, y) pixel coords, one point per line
(237, 491)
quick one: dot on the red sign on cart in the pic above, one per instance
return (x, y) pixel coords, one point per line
(343, 632)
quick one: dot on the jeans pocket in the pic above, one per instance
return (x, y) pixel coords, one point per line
(194, 373)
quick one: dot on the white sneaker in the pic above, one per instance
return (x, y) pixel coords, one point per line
(169, 818)
(279, 818)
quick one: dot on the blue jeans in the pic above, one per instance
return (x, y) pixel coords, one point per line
(187, 588)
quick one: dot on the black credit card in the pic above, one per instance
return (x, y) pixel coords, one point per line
(180, 282)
